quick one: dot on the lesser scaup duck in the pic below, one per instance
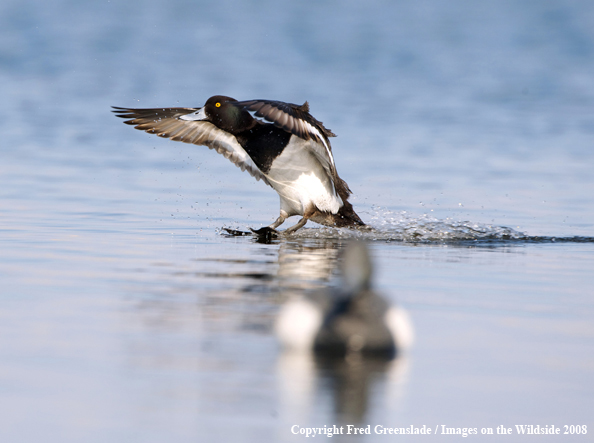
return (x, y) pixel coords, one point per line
(351, 319)
(281, 144)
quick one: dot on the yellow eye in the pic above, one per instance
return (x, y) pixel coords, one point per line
(218, 105)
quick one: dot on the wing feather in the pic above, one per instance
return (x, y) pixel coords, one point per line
(165, 122)
(298, 121)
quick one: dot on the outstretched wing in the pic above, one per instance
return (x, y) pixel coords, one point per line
(298, 121)
(166, 122)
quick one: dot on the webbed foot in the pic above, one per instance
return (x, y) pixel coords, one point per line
(266, 233)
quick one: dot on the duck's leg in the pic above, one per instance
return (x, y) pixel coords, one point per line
(309, 212)
(301, 223)
(279, 221)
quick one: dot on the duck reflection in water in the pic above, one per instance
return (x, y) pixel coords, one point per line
(350, 339)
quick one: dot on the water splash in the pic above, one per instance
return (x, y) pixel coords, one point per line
(386, 225)
(402, 227)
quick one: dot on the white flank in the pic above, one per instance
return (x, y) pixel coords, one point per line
(301, 179)
(311, 188)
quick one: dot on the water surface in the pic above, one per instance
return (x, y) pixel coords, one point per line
(465, 132)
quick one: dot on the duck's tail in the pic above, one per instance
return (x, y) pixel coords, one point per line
(347, 217)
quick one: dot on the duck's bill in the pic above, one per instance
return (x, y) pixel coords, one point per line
(195, 116)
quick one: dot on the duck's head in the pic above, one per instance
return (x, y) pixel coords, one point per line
(221, 112)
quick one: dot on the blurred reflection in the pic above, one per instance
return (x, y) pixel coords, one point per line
(342, 343)
(306, 266)
(348, 319)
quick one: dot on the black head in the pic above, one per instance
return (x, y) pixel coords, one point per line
(222, 113)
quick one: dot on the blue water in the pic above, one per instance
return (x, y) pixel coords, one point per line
(465, 130)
